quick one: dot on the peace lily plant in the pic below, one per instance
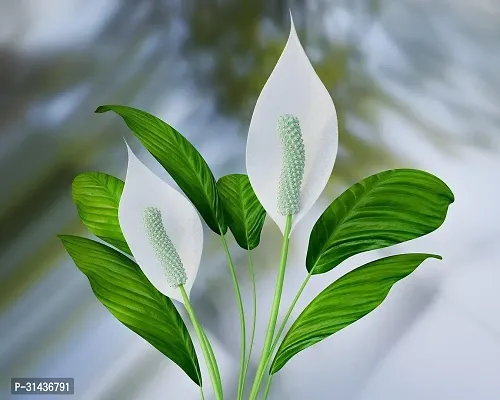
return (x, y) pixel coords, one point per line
(153, 233)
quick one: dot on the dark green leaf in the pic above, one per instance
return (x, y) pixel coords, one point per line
(382, 210)
(242, 210)
(97, 196)
(181, 160)
(345, 301)
(121, 286)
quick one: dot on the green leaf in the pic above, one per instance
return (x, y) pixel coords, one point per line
(97, 196)
(345, 301)
(181, 160)
(122, 287)
(382, 210)
(242, 210)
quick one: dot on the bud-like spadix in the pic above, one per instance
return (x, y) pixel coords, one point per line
(292, 170)
(164, 248)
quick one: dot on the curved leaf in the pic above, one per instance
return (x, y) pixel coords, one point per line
(243, 212)
(96, 196)
(181, 160)
(121, 286)
(384, 209)
(345, 301)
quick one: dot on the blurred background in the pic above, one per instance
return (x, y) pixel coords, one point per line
(415, 83)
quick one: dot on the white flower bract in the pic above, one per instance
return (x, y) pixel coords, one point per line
(293, 89)
(162, 229)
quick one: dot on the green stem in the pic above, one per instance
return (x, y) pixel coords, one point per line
(254, 316)
(289, 312)
(274, 312)
(268, 386)
(201, 392)
(212, 356)
(206, 348)
(282, 327)
(242, 315)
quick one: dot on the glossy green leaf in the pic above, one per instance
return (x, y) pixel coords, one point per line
(384, 209)
(181, 160)
(243, 212)
(345, 301)
(120, 285)
(97, 196)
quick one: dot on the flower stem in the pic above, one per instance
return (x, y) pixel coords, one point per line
(206, 348)
(274, 312)
(212, 357)
(254, 316)
(268, 386)
(242, 315)
(288, 313)
(282, 327)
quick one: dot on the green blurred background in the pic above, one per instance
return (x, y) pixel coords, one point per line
(415, 84)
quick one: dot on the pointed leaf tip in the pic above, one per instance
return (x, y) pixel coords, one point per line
(102, 109)
(62, 237)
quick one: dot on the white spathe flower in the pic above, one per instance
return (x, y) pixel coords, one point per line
(162, 229)
(293, 137)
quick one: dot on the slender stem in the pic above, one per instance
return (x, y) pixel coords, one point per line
(201, 392)
(282, 327)
(206, 348)
(274, 312)
(268, 386)
(212, 356)
(242, 315)
(288, 313)
(254, 316)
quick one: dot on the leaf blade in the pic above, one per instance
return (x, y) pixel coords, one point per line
(119, 284)
(345, 301)
(243, 212)
(97, 196)
(181, 160)
(382, 210)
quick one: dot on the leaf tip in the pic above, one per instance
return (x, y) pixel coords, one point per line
(102, 109)
(63, 238)
(452, 196)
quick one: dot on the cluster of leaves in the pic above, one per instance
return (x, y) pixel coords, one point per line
(384, 209)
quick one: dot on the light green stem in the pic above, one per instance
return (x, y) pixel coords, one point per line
(288, 313)
(212, 356)
(274, 312)
(268, 386)
(254, 316)
(206, 348)
(201, 393)
(282, 327)
(242, 315)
